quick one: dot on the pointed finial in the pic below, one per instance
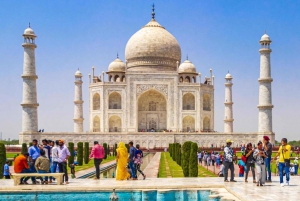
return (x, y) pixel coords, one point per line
(78, 68)
(265, 32)
(228, 71)
(117, 55)
(153, 13)
(29, 25)
(187, 57)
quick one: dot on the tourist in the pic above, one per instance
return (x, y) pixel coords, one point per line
(268, 148)
(200, 157)
(46, 148)
(213, 158)
(218, 159)
(121, 159)
(34, 153)
(284, 161)
(6, 172)
(54, 159)
(242, 166)
(292, 169)
(131, 160)
(97, 154)
(63, 155)
(205, 158)
(208, 159)
(138, 160)
(296, 165)
(221, 173)
(250, 162)
(42, 165)
(72, 167)
(260, 155)
(228, 161)
(21, 166)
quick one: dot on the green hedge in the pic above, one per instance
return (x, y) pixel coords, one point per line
(116, 146)
(24, 148)
(178, 154)
(186, 150)
(171, 150)
(193, 162)
(174, 152)
(2, 159)
(86, 152)
(108, 150)
(71, 149)
(30, 144)
(105, 150)
(127, 146)
(80, 153)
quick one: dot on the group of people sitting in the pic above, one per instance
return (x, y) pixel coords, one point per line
(48, 157)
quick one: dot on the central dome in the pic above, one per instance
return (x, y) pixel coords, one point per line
(152, 48)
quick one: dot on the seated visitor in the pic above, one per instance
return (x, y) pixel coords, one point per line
(21, 166)
(42, 165)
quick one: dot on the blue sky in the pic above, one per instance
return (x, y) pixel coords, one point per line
(222, 35)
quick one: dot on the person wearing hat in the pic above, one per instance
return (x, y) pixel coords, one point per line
(63, 155)
(228, 161)
(97, 154)
(296, 165)
(268, 148)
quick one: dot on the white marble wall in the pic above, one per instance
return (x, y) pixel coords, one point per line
(78, 110)
(228, 118)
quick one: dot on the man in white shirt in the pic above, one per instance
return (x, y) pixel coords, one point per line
(54, 158)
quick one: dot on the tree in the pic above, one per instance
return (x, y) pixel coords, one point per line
(174, 151)
(171, 150)
(186, 150)
(105, 150)
(178, 154)
(193, 162)
(108, 150)
(116, 146)
(2, 159)
(80, 153)
(127, 146)
(86, 152)
(30, 144)
(71, 149)
(24, 148)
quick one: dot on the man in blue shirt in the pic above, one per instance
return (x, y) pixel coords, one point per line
(34, 153)
(131, 160)
(6, 172)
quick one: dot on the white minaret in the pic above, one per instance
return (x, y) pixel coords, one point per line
(29, 100)
(265, 93)
(228, 121)
(78, 112)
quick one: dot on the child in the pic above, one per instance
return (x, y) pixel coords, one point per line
(242, 166)
(6, 172)
(72, 167)
(221, 173)
(138, 155)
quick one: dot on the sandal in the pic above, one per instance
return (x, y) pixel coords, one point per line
(257, 184)
(144, 177)
(246, 180)
(254, 182)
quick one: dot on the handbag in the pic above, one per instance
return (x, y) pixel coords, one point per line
(287, 162)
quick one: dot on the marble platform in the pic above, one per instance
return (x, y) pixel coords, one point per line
(230, 191)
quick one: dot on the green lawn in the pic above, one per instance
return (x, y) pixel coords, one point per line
(10, 155)
(176, 170)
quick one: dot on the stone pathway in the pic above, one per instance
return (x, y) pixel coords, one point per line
(167, 167)
(86, 171)
(152, 169)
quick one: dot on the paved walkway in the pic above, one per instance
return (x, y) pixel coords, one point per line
(230, 191)
(152, 169)
(86, 171)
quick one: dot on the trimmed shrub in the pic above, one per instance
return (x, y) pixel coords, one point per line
(2, 159)
(178, 154)
(171, 150)
(80, 153)
(127, 146)
(108, 150)
(71, 149)
(86, 152)
(193, 162)
(105, 150)
(174, 151)
(24, 148)
(116, 146)
(30, 144)
(186, 150)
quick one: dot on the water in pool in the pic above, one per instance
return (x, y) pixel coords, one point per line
(139, 195)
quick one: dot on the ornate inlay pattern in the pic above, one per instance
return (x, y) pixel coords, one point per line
(140, 88)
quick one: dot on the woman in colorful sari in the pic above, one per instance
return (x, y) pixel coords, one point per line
(121, 159)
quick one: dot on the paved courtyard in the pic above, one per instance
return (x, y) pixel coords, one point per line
(240, 190)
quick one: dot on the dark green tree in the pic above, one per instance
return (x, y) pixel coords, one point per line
(24, 148)
(80, 153)
(86, 152)
(105, 150)
(171, 150)
(127, 146)
(186, 150)
(193, 162)
(2, 159)
(108, 150)
(71, 149)
(30, 144)
(178, 154)
(174, 152)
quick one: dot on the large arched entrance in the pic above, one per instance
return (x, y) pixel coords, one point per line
(152, 111)
(188, 124)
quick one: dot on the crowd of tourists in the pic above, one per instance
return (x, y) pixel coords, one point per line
(258, 160)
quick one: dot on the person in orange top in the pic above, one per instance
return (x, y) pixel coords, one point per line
(21, 166)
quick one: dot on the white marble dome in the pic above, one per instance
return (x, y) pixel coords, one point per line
(187, 67)
(152, 48)
(117, 66)
(265, 37)
(228, 76)
(28, 31)
(78, 73)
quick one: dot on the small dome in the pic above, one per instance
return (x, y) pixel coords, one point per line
(116, 66)
(265, 37)
(28, 31)
(228, 76)
(78, 73)
(187, 67)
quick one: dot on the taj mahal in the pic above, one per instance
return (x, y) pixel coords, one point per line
(152, 97)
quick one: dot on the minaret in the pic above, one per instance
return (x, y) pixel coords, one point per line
(78, 112)
(29, 100)
(228, 121)
(265, 93)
